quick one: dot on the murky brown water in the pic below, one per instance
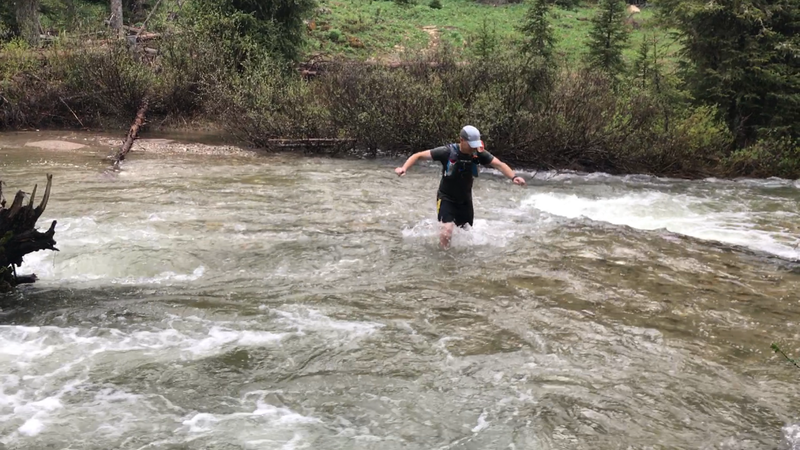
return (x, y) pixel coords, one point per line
(207, 302)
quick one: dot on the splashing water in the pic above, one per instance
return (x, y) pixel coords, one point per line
(283, 302)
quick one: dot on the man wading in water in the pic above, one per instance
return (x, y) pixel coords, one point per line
(459, 168)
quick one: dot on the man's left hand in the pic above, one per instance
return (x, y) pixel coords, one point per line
(519, 180)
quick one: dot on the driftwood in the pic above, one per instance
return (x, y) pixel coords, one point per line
(133, 133)
(309, 143)
(330, 146)
(139, 35)
(19, 237)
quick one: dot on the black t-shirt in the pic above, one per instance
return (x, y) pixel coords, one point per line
(457, 186)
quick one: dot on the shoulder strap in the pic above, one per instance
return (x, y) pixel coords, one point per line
(452, 160)
(453, 152)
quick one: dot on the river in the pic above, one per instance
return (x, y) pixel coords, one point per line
(202, 301)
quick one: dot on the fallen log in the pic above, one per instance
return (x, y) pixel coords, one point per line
(19, 237)
(139, 36)
(133, 133)
(330, 145)
(310, 142)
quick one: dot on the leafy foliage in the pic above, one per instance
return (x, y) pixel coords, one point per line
(485, 42)
(744, 56)
(8, 21)
(250, 28)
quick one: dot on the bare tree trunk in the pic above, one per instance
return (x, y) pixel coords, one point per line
(133, 133)
(116, 17)
(28, 20)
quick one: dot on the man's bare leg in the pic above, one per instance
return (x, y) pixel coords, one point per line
(445, 233)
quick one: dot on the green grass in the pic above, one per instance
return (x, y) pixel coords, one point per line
(75, 16)
(79, 16)
(387, 30)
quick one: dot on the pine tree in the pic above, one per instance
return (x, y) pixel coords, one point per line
(608, 37)
(648, 66)
(649, 74)
(537, 32)
(485, 42)
(744, 56)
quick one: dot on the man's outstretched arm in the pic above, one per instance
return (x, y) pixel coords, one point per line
(503, 167)
(425, 154)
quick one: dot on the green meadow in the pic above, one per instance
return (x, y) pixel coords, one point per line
(385, 31)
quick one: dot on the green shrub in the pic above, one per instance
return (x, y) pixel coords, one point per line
(567, 4)
(389, 109)
(17, 59)
(116, 83)
(771, 156)
(250, 28)
(435, 4)
(266, 101)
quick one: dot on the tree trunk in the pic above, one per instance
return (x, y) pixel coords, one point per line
(116, 17)
(27, 12)
(137, 11)
(18, 235)
(133, 133)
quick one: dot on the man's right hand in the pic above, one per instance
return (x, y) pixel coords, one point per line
(400, 171)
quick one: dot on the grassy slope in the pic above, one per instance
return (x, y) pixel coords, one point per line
(383, 30)
(387, 30)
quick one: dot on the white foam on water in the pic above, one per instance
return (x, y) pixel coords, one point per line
(31, 427)
(482, 423)
(96, 249)
(110, 268)
(37, 412)
(259, 424)
(40, 366)
(27, 404)
(162, 278)
(23, 345)
(484, 232)
(682, 214)
(312, 321)
(44, 369)
(200, 422)
(219, 337)
(791, 436)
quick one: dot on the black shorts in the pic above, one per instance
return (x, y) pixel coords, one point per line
(459, 213)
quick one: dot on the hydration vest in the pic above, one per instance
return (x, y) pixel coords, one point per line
(457, 167)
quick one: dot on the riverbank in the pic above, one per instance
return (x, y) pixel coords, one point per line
(182, 142)
(569, 118)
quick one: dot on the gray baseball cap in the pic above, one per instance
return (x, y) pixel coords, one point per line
(472, 136)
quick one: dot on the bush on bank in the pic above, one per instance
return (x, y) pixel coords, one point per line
(574, 119)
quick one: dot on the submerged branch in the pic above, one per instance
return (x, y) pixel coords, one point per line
(778, 350)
